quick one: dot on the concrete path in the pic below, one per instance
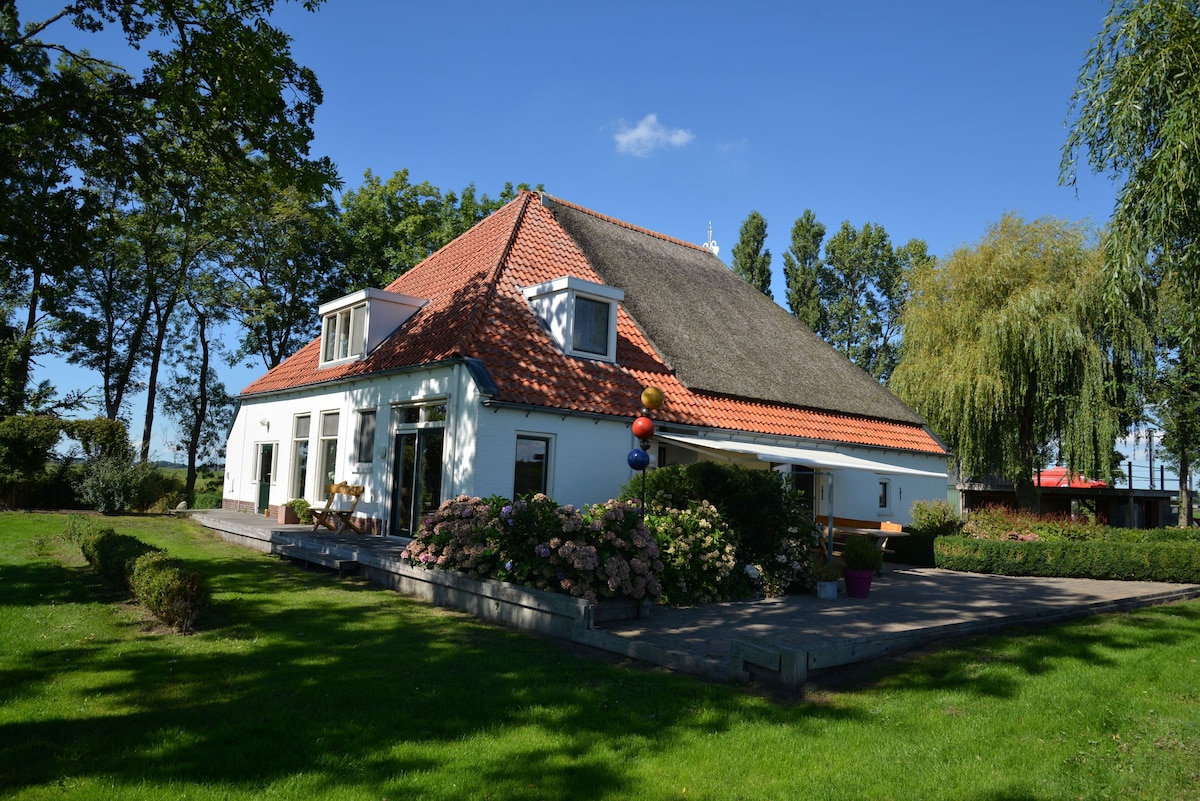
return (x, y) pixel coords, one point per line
(907, 607)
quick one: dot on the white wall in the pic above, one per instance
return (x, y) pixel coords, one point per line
(587, 455)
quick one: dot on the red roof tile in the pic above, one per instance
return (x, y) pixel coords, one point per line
(476, 309)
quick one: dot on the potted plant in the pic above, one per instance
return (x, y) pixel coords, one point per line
(295, 511)
(827, 580)
(863, 558)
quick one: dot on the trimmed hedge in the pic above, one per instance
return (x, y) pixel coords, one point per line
(174, 594)
(1163, 560)
(163, 585)
(112, 555)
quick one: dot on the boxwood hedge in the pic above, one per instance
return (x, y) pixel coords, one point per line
(1164, 559)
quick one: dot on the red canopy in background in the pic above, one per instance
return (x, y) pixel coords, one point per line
(1057, 477)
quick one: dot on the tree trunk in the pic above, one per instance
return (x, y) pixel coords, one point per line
(1185, 497)
(193, 443)
(1028, 496)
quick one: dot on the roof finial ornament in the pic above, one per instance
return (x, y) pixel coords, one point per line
(711, 246)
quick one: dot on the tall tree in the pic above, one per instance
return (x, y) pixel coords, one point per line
(390, 226)
(63, 123)
(194, 397)
(751, 258)
(1175, 395)
(283, 248)
(1010, 345)
(801, 265)
(861, 284)
(1134, 116)
(1134, 113)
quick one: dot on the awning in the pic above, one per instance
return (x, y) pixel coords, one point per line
(725, 450)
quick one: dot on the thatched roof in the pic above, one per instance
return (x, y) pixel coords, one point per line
(718, 333)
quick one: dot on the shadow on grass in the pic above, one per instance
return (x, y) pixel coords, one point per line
(294, 673)
(997, 665)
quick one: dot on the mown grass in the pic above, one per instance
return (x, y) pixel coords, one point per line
(301, 686)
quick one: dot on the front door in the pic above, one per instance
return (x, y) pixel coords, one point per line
(418, 478)
(266, 467)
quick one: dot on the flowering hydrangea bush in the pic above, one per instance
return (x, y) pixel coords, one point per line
(697, 553)
(790, 569)
(602, 551)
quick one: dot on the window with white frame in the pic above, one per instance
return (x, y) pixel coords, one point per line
(301, 426)
(364, 436)
(328, 449)
(531, 473)
(344, 333)
(581, 316)
(885, 495)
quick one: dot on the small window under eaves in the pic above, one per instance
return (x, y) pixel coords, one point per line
(581, 316)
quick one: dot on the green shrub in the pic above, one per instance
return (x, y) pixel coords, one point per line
(861, 553)
(211, 500)
(172, 593)
(112, 555)
(930, 520)
(77, 528)
(697, 554)
(766, 519)
(1166, 561)
(114, 484)
(301, 507)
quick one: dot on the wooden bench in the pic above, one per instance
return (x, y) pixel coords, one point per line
(336, 519)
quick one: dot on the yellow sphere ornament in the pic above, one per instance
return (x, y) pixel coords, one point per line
(652, 398)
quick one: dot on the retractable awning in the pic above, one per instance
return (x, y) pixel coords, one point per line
(728, 451)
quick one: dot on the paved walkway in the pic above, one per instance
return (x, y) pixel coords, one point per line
(906, 608)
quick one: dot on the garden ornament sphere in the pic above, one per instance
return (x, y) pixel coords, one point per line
(652, 398)
(643, 428)
(638, 459)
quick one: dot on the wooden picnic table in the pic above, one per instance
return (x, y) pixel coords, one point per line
(881, 535)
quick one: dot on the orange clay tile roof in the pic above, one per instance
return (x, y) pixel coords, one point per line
(476, 310)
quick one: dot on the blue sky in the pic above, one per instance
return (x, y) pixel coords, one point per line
(930, 118)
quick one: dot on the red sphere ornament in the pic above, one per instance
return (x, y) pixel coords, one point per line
(643, 428)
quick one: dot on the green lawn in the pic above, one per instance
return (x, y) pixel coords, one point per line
(301, 686)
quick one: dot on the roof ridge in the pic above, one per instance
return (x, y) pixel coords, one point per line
(622, 223)
(477, 312)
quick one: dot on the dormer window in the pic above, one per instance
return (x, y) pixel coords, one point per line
(344, 334)
(580, 315)
(354, 325)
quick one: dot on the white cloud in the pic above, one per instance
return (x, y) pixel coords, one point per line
(649, 135)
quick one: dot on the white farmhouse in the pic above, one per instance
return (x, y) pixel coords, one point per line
(512, 361)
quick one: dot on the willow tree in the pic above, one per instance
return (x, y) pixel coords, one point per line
(1136, 117)
(1010, 347)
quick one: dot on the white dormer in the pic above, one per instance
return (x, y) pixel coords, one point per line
(580, 315)
(352, 326)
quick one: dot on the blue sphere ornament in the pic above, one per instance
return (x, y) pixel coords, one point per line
(638, 459)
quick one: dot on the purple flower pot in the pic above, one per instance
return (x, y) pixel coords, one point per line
(858, 582)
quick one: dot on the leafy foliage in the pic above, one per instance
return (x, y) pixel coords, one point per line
(112, 555)
(697, 552)
(603, 551)
(751, 259)
(1009, 346)
(852, 296)
(1165, 561)
(164, 585)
